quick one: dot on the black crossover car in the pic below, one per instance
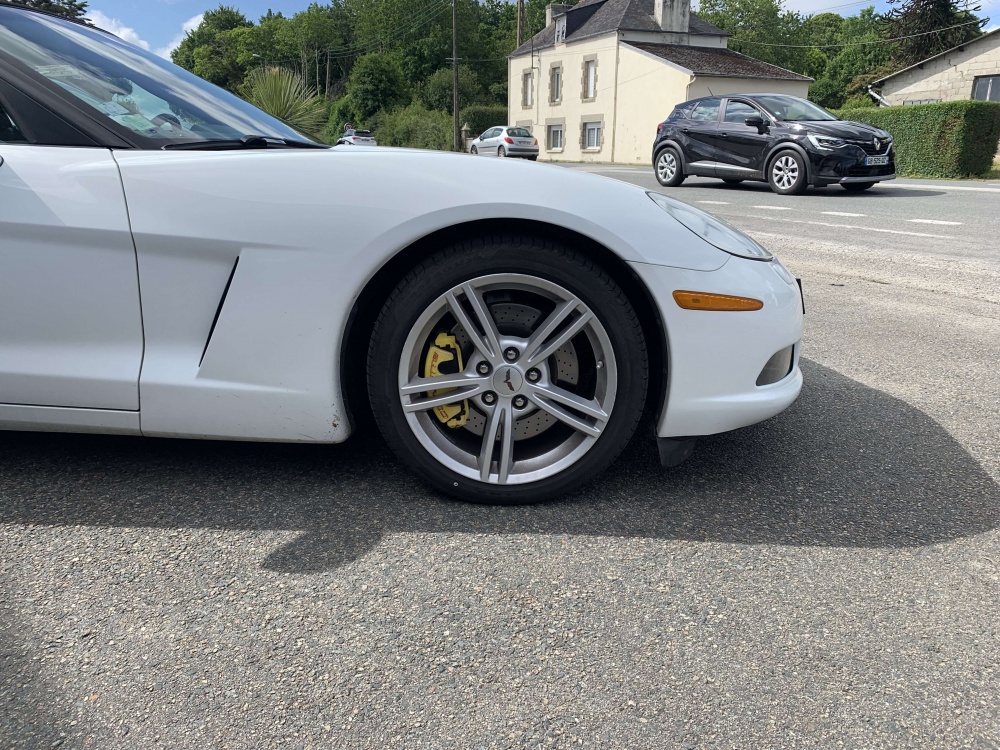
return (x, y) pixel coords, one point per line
(788, 142)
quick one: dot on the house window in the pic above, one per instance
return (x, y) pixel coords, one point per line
(527, 91)
(591, 135)
(561, 29)
(555, 138)
(590, 79)
(556, 85)
(986, 88)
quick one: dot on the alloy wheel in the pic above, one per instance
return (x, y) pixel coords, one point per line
(535, 388)
(785, 172)
(666, 166)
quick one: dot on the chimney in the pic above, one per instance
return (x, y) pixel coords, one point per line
(555, 9)
(673, 15)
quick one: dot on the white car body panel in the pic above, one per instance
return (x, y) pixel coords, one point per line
(310, 229)
(70, 323)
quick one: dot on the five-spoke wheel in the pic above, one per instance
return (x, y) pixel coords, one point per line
(494, 372)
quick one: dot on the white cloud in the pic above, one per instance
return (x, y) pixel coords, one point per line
(189, 25)
(116, 27)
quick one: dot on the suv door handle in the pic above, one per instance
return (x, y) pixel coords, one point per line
(723, 134)
(685, 130)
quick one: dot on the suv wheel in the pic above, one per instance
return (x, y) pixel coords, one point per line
(787, 173)
(667, 166)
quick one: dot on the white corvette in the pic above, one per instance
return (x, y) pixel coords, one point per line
(174, 262)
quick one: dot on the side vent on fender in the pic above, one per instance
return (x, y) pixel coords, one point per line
(218, 311)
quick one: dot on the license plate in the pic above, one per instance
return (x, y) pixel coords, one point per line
(525, 143)
(876, 161)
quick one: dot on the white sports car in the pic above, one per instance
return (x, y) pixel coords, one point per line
(174, 262)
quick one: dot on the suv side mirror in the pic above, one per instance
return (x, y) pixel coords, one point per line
(756, 122)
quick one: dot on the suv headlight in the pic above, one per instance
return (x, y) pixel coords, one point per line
(826, 143)
(714, 231)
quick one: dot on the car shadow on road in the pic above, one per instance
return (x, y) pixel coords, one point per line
(845, 466)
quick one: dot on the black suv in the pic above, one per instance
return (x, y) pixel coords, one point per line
(788, 142)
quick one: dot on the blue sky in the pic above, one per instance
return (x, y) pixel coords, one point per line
(160, 25)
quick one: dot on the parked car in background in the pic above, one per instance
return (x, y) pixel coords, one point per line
(506, 141)
(788, 142)
(357, 138)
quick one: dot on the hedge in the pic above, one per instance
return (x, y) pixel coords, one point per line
(949, 139)
(414, 127)
(479, 117)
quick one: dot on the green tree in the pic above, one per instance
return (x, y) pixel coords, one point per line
(757, 27)
(436, 93)
(284, 94)
(211, 51)
(376, 83)
(75, 9)
(909, 18)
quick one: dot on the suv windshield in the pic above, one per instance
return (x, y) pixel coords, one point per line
(793, 109)
(130, 87)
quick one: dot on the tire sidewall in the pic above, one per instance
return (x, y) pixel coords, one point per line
(678, 172)
(800, 184)
(447, 270)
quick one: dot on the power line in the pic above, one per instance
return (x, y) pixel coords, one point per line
(860, 44)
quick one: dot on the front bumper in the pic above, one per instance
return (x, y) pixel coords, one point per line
(847, 165)
(715, 358)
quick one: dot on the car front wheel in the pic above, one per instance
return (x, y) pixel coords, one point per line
(669, 171)
(507, 370)
(474, 151)
(787, 173)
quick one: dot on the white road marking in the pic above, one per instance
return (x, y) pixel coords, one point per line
(840, 213)
(935, 221)
(851, 226)
(716, 203)
(943, 187)
(774, 208)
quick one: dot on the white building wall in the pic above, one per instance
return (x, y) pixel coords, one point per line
(946, 78)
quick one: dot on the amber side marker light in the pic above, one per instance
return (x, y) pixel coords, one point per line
(709, 301)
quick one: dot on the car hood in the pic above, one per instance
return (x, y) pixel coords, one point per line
(845, 129)
(379, 199)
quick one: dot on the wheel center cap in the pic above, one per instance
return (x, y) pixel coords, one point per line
(507, 381)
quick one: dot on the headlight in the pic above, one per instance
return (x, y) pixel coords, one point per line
(714, 231)
(825, 143)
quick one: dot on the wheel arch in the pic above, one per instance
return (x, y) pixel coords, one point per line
(676, 146)
(364, 312)
(788, 146)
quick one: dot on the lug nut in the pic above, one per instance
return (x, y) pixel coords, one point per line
(520, 402)
(534, 375)
(489, 397)
(510, 354)
(483, 368)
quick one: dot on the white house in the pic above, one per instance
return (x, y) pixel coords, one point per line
(597, 80)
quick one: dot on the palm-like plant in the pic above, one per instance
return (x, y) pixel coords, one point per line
(283, 94)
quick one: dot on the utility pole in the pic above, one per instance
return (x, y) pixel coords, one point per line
(520, 22)
(454, 73)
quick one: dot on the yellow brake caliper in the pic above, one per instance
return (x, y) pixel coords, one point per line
(445, 358)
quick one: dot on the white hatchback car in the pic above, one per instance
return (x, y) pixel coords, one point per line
(174, 263)
(354, 137)
(506, 141)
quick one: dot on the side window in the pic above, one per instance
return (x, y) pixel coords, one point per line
(9, 131)
(738, 112)
(706, 111)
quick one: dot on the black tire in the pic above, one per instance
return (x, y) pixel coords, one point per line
(532, 158)
(668, 167)
(856, 187)
(422, 289)
(731, 181)
(501, 152)
(474, 151)
(786, 173)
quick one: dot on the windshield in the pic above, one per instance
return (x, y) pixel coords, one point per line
(150, 97)
(793, 109)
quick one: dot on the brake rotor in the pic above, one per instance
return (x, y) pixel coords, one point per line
(518, 319)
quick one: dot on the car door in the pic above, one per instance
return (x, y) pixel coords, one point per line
(70, 321)
(698, 134)
(491, 141)
(740, 147)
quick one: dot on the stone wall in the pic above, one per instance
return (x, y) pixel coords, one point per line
(948, 77)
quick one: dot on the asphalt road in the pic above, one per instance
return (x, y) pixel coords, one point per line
(829, 578)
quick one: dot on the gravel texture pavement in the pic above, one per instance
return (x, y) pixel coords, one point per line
(829, 578)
